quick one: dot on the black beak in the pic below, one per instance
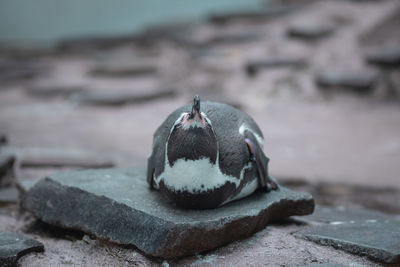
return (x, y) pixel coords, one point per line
(195, 107)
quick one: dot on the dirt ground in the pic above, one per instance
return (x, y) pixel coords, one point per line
(332, 136)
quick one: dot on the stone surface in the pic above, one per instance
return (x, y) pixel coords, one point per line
(310, 30)
(19, 70)
(115, 98)
(254, 66)
(8, 195)
(271, 12)
(326, 265)
(48, 157)
(357, 81)
(13, 247)
(376, 239)
(231, 38)
(116, 205)
(387, 58)
(3, 138)
(82, 161)
(123, 70)
(6, 169)
(342, 214)
(56, 90)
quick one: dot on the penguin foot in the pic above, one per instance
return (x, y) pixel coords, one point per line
(271, 184)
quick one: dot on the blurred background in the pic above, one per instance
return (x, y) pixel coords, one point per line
(86, 84)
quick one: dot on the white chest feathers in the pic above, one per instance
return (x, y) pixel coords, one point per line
(196, 176)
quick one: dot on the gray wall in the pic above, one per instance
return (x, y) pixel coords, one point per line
(46, 21)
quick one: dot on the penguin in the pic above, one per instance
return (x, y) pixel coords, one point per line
(206, 156)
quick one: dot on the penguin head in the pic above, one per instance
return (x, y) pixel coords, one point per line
(192, 137)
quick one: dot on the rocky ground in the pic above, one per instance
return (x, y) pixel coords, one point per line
(321, 78)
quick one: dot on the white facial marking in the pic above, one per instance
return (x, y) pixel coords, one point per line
(244, 127)
(194, 123)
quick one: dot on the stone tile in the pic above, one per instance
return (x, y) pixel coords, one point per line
(8, 195)
(327, 265)
(117, 205)
(385, 57)
(118, 98)
(54, 90)
(341, 214)
(6, 168)
(51, 157)
(356, 81)
(3, 138)
(123, 70)
(269, 13)
(252, 67)
(375, 239)
(310, 30)
(13, 247)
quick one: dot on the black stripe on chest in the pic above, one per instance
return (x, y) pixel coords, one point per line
(192, 144)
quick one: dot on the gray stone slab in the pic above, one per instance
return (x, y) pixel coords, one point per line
(8, 195)
(252, 67)
(272, 11)
(123, 70)
(117, 205)
(342, 214)
(375, 239)
(327, 265)
(356, 81)
(56, 90)
(13, 247)
(385, 58)
(310, 30)
(3, 138)
(6, 169)
(116, 98)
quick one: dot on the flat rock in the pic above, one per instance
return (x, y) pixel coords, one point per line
(375, 239)
(252, 67)
(13, 247)
(3, 138)
(310, 30)
(123, 70)
(8, 195)
(115, 98)
(386, 58)
(256, 15)
(6, 168)
(324, 265)
(342, 214)
(235, 37)
(117, 205)
(43, 157)
(356, 81)
(20, 70)
(51, 91)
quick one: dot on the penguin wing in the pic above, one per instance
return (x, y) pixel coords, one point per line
(258, 156)
(233, 151)
(240, 141)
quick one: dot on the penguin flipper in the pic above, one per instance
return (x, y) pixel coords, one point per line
(257, 155)
(150, 172)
